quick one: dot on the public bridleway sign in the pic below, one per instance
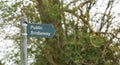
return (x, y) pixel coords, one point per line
(33, 30)
(40, 30)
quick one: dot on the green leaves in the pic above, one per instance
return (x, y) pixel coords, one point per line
(96, 41)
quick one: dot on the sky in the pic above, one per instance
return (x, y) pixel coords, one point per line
(5, 51)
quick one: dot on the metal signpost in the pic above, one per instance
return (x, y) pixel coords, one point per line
(23, 42)
(33, 30)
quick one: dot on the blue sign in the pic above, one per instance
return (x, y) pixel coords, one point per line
(40, 30)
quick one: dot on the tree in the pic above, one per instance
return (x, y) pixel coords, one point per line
(1, 63)
(77, 41)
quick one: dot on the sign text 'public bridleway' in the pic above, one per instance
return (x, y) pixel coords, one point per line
(40, 30)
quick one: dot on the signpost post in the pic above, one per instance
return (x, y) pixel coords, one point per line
(33, 30)
(23, 42)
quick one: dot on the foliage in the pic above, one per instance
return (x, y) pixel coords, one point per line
(77, 41)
